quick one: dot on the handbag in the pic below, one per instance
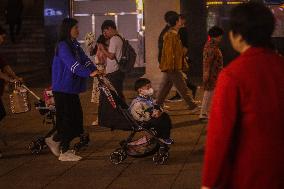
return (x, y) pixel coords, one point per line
(19, 101)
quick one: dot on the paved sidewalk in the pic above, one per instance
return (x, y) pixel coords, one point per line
(20, 169)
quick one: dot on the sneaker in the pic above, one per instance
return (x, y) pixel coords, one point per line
(167, 141)
(203, 117)
(53, 146)
(176, 98)
(69, 156)
(95, 123)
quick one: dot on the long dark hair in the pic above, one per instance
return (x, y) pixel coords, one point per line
(64, 33)
(101, 40)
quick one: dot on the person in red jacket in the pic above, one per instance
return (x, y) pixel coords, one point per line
(245, 141)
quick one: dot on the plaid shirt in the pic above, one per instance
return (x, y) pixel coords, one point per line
(212, 64)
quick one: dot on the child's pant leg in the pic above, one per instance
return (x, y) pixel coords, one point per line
(162, 125)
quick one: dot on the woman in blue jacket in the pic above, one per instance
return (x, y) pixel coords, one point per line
(70, 70)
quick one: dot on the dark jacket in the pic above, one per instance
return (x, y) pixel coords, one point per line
(14, 11)
(183, 36)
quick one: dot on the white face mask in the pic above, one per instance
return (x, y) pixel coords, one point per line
(148, 92)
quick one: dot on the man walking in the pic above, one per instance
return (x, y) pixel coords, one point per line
(172, 64)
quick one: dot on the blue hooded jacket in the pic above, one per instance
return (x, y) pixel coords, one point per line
(69, 71)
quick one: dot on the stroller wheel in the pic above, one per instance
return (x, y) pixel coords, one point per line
(36, 146)
(161, 158)
(118, 156)
(85, 139)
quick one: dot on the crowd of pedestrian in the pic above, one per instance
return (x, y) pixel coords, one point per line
(245, 138)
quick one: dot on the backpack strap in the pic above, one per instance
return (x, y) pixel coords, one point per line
(123, 40)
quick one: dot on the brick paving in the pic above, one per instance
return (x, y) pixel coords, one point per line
(21, 169)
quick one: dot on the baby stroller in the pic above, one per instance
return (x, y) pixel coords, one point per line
(47, 109)
(147, 144)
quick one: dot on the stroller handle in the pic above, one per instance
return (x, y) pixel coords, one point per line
(24, 86)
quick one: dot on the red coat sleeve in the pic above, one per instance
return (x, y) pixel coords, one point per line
(221, 125)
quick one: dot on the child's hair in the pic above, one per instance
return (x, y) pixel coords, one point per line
(215, 31)
(141, 82)
(102, 40)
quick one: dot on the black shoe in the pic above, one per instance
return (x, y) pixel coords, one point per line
(194, 90)
(175, 98)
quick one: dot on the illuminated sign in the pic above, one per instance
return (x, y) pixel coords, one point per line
(52, 12)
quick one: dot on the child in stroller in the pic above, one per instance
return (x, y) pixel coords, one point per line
(142, 118)
(144, 110)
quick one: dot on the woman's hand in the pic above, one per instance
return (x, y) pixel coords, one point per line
(96, 73)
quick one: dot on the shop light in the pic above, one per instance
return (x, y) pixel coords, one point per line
(224, 2)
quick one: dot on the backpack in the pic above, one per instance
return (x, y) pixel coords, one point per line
(128, 57)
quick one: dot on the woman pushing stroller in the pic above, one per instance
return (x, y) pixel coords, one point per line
(70, 70)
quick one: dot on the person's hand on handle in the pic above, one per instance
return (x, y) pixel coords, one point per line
(96, 73)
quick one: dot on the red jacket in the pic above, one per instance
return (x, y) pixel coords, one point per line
(245, 141)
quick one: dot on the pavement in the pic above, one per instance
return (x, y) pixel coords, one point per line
(21, 169)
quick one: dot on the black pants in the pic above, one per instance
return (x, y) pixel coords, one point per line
(117, 78)
(69, 118)
(162, 125)
(12, 26)
(2, 110)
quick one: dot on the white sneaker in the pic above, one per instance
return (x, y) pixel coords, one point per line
(69, 156)
(53, 146)
(95, 123)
